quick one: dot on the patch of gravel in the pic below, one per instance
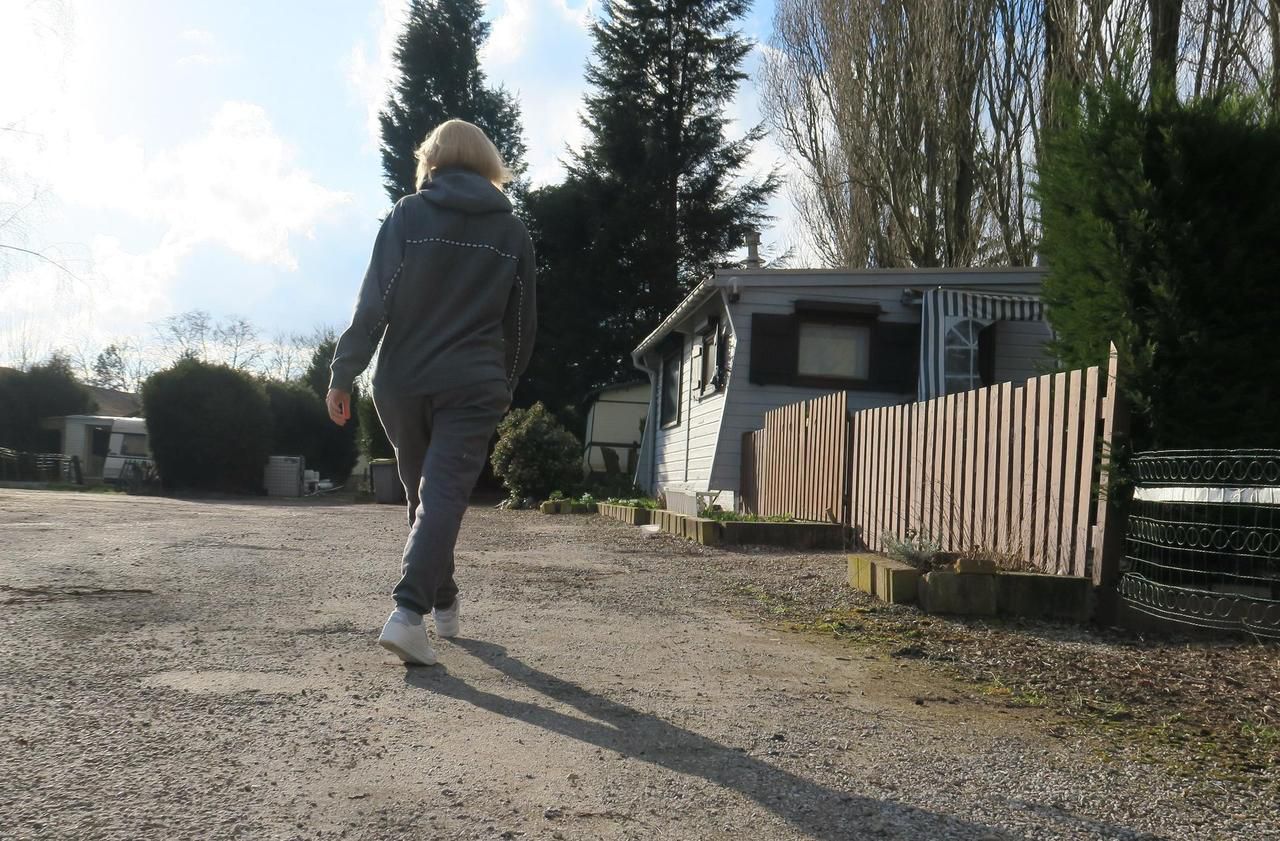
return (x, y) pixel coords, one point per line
(185, 669)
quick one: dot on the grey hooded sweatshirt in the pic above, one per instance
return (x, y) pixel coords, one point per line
(449, 292)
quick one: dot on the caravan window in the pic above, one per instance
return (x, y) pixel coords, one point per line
(836, 351)
(671, 369)
(711, 374)
(969, 356)
(132, 444)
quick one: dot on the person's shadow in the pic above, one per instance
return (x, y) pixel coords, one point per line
(820, 812)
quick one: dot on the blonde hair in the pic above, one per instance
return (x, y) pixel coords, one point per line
(457, 143)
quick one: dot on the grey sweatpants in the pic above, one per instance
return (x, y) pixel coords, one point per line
(441, 442)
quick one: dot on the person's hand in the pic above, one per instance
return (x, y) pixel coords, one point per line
(339, 403)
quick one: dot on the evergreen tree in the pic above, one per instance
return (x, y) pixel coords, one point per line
(1160, 235)
(655, 200)
(440, 79)
(333, 449)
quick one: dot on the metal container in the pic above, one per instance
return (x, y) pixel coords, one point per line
(283, 475)
(387, 489)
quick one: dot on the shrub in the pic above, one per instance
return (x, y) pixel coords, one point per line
(210, 427)
(301, 426)
(1160, 225)
(26, 398)
(915, 548)
(535, 455)
(336, 448)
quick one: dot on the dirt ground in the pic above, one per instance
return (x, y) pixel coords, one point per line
(184, 669)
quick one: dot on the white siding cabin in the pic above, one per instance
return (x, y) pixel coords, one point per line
(750, 340)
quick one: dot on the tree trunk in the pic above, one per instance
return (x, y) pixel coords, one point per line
(1273, 24)
(1061, 62)
(1166, 18)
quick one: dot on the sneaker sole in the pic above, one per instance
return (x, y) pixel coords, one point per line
(404, 655)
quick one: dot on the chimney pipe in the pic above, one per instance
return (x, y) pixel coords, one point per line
(753, 250)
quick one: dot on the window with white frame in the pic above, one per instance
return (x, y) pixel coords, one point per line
(969, 350)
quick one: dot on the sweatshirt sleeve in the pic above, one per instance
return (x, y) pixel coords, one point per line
(521, 320)
(373, 305)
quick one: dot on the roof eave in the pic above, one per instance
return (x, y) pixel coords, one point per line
(701, 293)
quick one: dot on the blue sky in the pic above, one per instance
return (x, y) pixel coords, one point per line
(222, 156)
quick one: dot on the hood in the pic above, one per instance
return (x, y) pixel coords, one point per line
(464, 191)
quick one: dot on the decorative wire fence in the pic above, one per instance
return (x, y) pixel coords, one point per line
(18, 466)
(1203, 539)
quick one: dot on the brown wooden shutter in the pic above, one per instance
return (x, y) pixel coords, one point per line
(895, 357)
(774, 349)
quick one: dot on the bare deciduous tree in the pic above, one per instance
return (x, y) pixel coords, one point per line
(237, 343)
(917, 124)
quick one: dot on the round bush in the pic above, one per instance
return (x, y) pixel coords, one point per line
(535, 455)
(209, 425)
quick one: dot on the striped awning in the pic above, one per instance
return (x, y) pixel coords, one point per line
(944, 308)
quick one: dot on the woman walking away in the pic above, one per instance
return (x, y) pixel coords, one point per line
(450, 293)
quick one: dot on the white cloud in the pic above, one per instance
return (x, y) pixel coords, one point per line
(509, 33)
(208, 51)
(235, 184)
(370, 67)
(198, 36)
(119, 294)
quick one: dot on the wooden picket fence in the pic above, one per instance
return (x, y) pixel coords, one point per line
(1012, 470)
(798, 465)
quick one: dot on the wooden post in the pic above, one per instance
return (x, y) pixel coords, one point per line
(1109, 539)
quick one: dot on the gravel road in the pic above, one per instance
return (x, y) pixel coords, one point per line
(183, 669)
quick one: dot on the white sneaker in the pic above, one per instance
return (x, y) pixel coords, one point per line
(407, 638)
(447, 620)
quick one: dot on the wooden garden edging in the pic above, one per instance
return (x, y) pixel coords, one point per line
(710, 532)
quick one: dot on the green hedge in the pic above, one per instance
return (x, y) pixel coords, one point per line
(301, 427)
(27, 397)
(1161, 234)
(210, 427)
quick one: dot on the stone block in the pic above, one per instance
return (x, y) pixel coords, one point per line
(1039, 596)
(943, 591)
(549, 507)
(895, 582)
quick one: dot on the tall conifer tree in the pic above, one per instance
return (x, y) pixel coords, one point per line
(439, 79)
(657, 183)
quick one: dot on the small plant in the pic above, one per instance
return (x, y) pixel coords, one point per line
(915, 548)
(556, 496)
(586, 499)
(735, 517)
(636, 502)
